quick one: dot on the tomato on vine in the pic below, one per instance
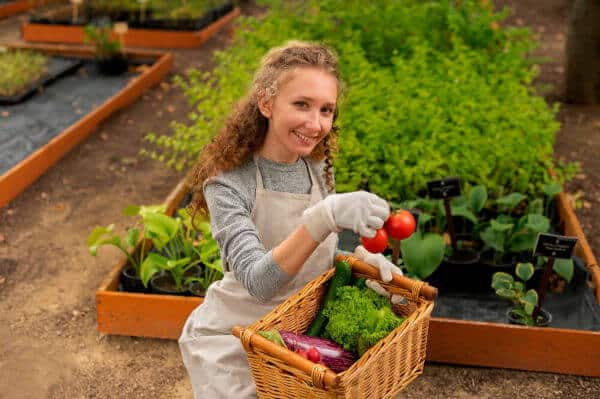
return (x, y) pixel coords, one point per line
(378, 243)
(401, 225)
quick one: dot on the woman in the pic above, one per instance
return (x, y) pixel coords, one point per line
(267, 183)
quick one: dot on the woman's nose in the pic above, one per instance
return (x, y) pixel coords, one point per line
(314, 121)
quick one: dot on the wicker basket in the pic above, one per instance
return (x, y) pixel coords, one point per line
(381, 372)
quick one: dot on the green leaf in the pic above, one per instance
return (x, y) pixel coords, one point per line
(503, 276)
(538, 223)
(98, 232)
(521, 242)
(536, 206)
(552, 189)
(493, 239)
(151, 265)
(477, 198)
(131, 210)
(564, 268)
(530, 298)
(497, 226)
(115, 241)
(505, 293)
(464, 212)
(519, 286)
(160, 228)
(501, 284)
(422, 254)
(524, 270)
(172, 264)
(509, 202)
(132, 236)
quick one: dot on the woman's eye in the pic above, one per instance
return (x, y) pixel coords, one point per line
(301, 104)
(327, 111)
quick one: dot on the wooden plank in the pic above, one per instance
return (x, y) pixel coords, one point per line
(143, 315)
(150, 38)
(31, 168)
(572, 227)
(506, 346)
(14, 7)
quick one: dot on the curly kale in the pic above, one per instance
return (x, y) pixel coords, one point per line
(359, 318)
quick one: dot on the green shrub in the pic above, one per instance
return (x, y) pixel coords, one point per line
(434, 89)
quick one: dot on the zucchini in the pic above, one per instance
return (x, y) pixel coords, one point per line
(342, 276)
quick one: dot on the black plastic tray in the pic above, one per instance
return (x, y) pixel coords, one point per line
(57, 68)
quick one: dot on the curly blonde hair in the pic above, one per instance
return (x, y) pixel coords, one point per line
(245, 130)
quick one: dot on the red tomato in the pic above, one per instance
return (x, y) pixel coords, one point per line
(401, 225)
(376, 244)
(313, 354)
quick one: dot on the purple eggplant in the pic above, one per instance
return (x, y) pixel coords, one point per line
(332, 355)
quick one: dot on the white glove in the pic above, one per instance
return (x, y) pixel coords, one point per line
(359, 211)
(386, 268)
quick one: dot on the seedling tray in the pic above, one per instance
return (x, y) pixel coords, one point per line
(135, 37)
(27, 170)
(57, 67)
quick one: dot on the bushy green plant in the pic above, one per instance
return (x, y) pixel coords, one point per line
(436, 88)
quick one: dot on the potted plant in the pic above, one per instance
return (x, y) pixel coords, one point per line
(130, 275)
(524, 301)
(109, 57)
(179, 252)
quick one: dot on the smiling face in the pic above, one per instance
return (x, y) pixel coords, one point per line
(300, 114)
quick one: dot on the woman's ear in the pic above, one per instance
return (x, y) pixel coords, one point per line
(264, 106)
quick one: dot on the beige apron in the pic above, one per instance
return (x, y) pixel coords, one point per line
(215, 359)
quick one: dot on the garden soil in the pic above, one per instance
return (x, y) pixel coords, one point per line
(49, 346)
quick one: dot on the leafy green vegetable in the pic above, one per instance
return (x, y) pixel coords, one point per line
(342, 276)
(359, 318)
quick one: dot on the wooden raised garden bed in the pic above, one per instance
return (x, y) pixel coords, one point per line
(150, 38)
(15, 7)
(455, 341)
(19, 177)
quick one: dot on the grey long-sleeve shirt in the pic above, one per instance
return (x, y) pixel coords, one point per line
(230, 197)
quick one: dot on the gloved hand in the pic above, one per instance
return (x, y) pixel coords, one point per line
(386, 268)
(359, 211)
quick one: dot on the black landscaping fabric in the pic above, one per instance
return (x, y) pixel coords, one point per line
(28, 126)
(575, 309)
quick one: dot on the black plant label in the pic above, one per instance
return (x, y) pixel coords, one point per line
(444, 188)
(555, 246)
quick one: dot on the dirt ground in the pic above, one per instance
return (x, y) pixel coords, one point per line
(49, 346)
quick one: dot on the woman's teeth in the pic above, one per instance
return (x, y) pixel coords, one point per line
(302, 137)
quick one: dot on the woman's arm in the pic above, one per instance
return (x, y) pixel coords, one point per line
(253, 266)
(291, 254)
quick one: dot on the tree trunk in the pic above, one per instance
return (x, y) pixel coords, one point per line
(583, 53)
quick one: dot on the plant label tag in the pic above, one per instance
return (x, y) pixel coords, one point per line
(552, 245)
(444, 188)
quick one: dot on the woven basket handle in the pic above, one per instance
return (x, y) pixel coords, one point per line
(418, 288)
(322, 376)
